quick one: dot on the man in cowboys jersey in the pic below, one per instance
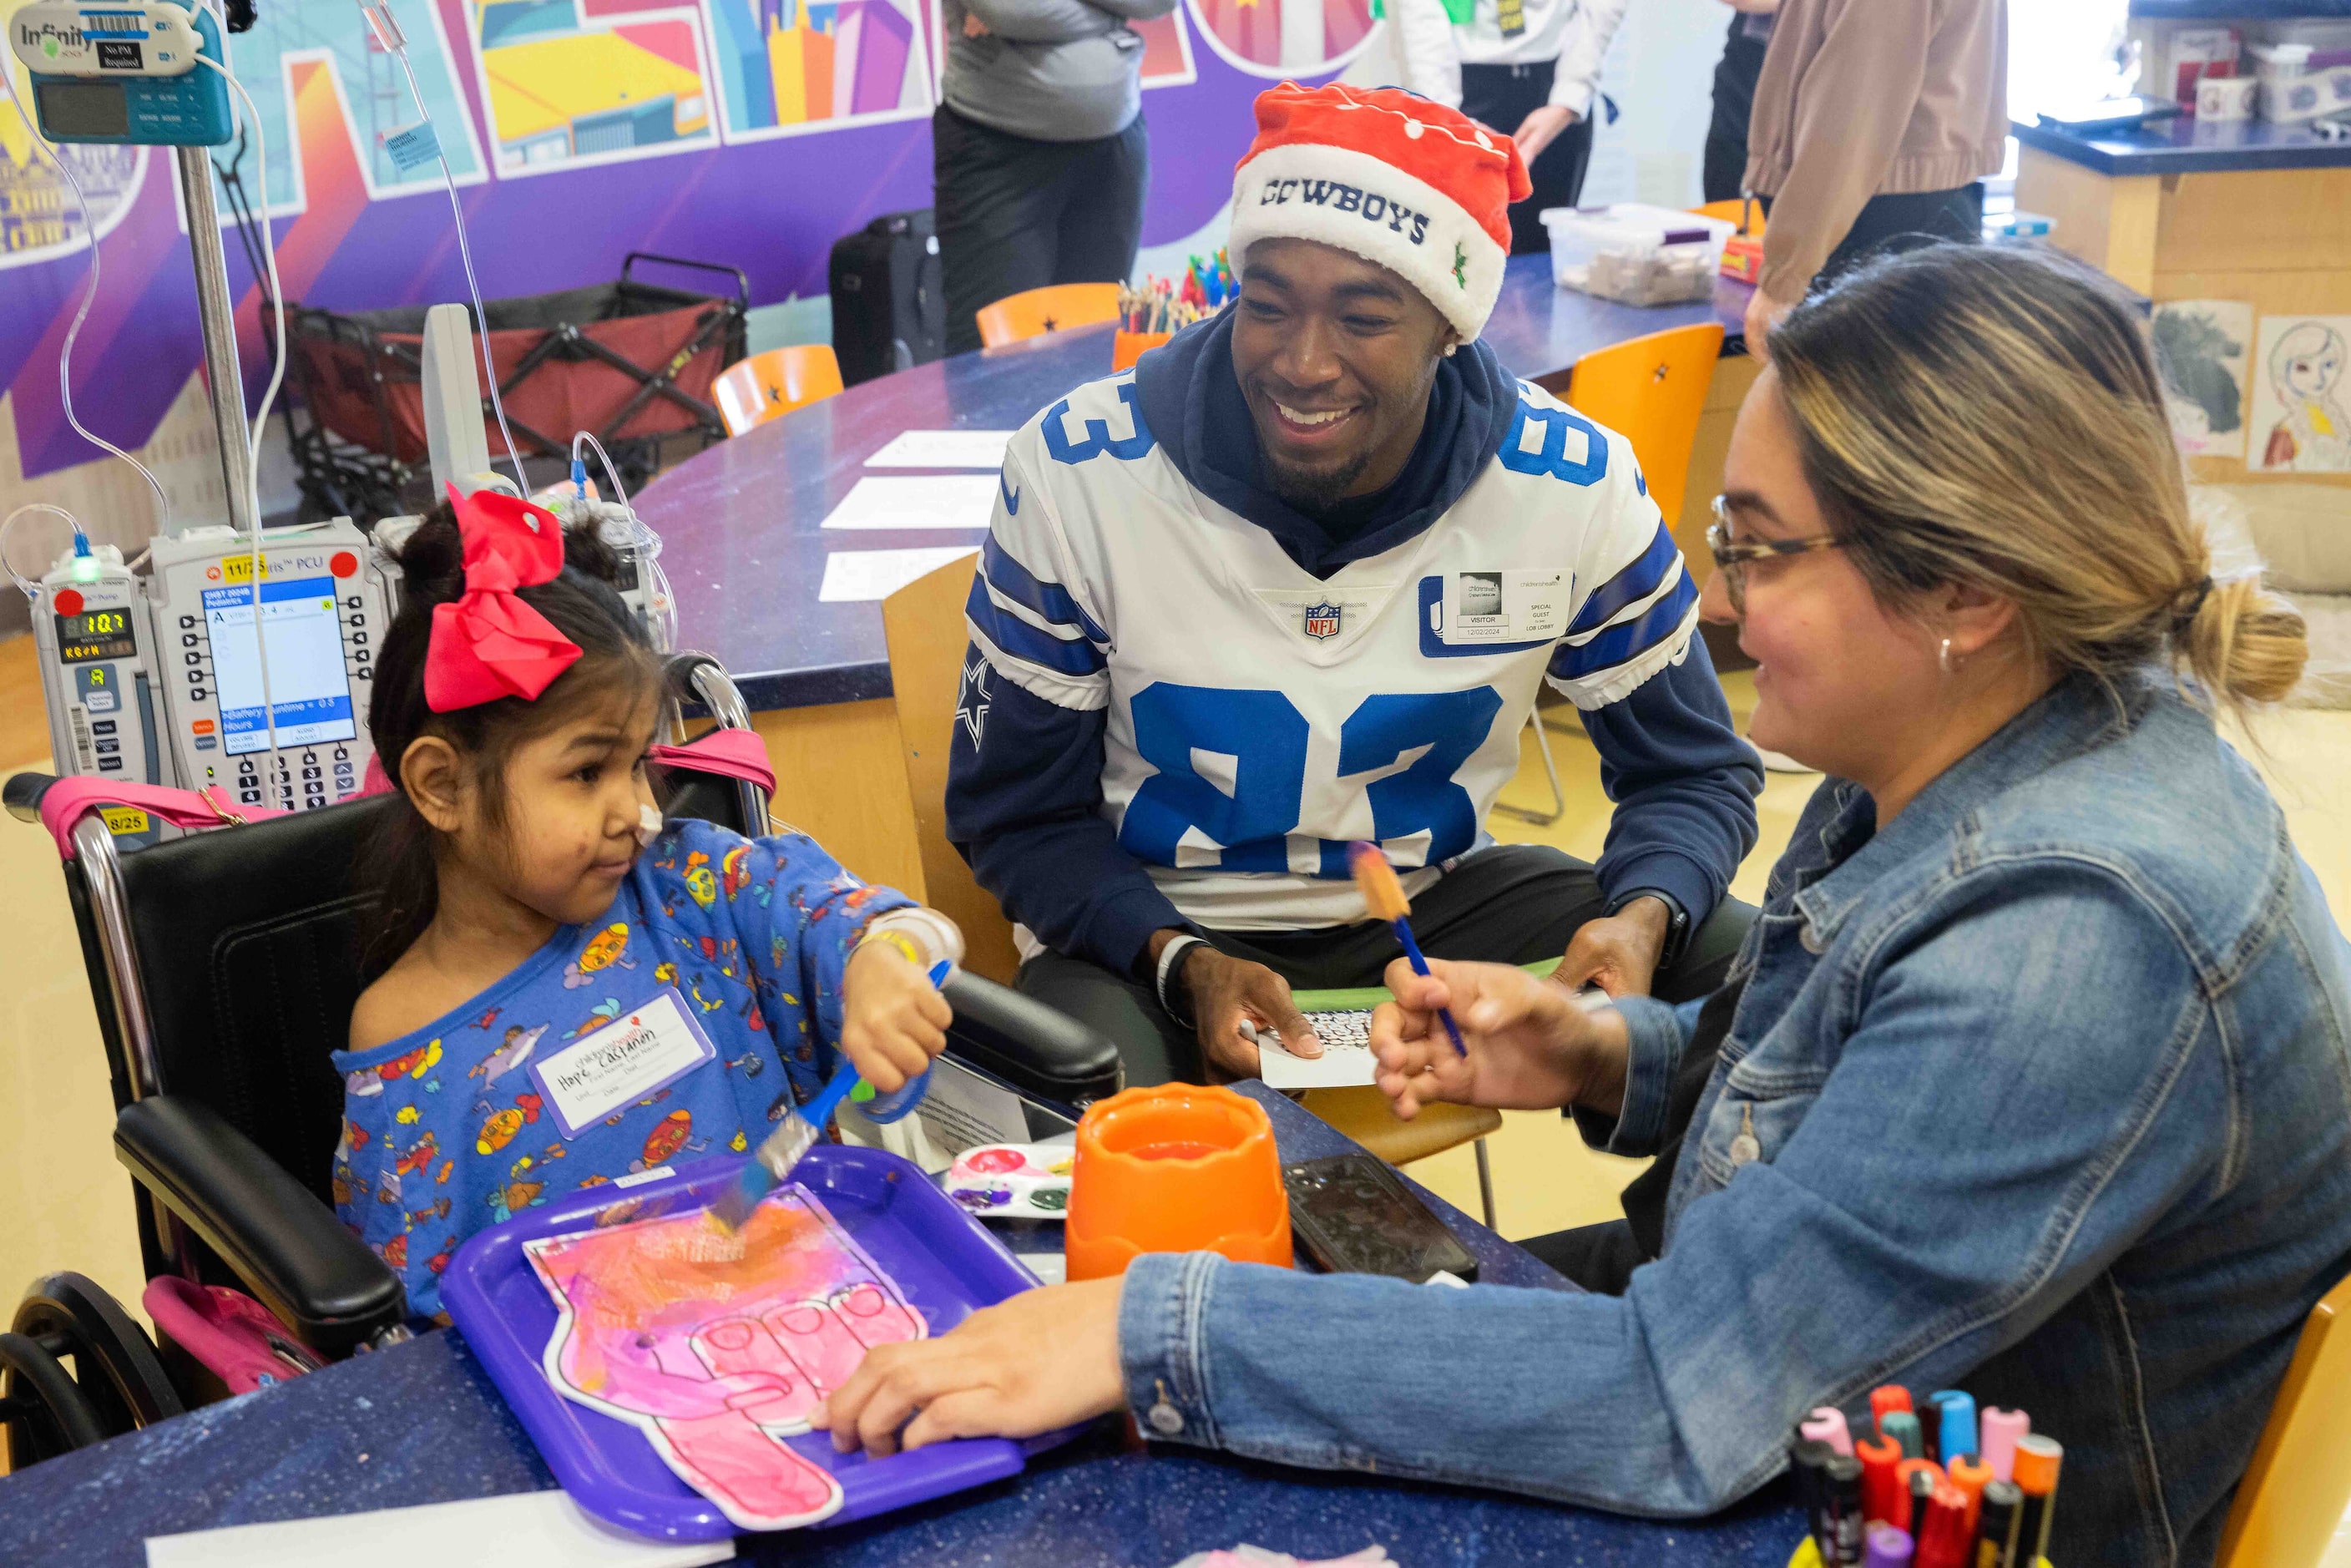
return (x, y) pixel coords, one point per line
(1295, 582)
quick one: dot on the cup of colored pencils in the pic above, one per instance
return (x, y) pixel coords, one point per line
(1157, 309)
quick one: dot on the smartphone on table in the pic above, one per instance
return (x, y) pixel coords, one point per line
(1354, 1215)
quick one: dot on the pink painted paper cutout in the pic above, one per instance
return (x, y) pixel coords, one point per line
(717, 1346)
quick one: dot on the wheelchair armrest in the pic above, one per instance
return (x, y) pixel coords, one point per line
(1043, 1054)
(285, 1245)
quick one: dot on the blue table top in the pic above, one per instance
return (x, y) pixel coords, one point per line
(422, 1423)
(2190, 146)
(741, 523)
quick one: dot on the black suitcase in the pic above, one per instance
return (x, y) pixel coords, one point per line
(889, 305)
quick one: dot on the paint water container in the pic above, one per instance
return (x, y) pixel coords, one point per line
(1175, 1168)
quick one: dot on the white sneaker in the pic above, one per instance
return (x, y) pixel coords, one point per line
(1781, 762)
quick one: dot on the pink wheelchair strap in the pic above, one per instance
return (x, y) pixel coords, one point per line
(69, 801)
(729, 753)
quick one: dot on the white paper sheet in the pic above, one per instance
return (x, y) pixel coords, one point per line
(1346, 1060)
(856, 574)
(943, 449)
(917, 501)
(1339, 1066)
(525, 1530)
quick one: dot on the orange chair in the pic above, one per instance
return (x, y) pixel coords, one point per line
(1744, 211)
(1047, 309)
(922, 627)
(1651, 391)
(2294, 1491)
(750, 392)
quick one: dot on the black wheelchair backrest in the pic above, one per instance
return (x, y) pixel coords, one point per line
(248, 945)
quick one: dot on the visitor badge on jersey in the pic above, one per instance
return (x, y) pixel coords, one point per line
(1527, 606)
(646, 1049)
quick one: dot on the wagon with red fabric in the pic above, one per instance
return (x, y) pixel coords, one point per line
(630, 362)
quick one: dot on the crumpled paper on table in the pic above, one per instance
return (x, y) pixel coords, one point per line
(1247, 1556)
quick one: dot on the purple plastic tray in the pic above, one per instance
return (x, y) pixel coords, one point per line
(944, 1261)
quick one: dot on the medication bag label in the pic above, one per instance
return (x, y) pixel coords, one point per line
(1525, 606)
(644, 1050)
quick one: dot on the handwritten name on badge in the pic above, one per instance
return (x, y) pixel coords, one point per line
(651, 1047)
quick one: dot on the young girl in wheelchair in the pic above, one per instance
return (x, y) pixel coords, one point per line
(567, 989)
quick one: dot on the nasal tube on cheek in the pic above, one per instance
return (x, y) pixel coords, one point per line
(649, 825)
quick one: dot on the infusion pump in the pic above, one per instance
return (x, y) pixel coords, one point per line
(159, 681)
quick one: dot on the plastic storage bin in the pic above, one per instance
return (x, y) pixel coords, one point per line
(2294, 86)
(1636, 254)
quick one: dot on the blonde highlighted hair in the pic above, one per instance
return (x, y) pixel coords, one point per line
(1991, 416)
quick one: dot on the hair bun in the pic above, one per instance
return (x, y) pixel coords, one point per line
(433, 559)
(2243, 642)
(2189, 604)
(585, 548)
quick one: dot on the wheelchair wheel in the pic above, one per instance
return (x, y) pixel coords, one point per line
(42, 1412)
(120, 1376)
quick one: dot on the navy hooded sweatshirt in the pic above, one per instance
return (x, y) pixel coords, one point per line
(1025, 802)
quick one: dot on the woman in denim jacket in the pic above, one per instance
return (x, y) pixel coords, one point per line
(2032, 1080)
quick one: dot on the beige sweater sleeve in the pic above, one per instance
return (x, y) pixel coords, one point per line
(1853, 103)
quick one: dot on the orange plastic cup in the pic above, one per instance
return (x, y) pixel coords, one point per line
(1175, 1168)
(1128, 347)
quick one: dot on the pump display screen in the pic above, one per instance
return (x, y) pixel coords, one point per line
(84, 109)
(308, 691)
(95, 634)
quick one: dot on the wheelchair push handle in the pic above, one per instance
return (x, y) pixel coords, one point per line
(22, 794)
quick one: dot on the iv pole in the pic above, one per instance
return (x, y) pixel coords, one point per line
(215, 313)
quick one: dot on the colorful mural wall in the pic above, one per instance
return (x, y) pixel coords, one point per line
(749, 132)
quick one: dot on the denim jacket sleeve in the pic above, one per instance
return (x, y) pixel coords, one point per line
(1991, 1133)
(1657, 1033)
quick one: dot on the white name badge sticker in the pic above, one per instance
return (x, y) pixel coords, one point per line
(644, 1050)
(1525, 606)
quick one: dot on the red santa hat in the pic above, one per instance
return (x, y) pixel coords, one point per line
(1387, 175)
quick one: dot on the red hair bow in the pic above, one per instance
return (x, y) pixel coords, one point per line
(489, 643)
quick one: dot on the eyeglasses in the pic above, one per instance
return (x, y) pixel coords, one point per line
(1733, 558)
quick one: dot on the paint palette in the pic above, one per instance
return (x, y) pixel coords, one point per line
(865, 1247)
(1014, 1181)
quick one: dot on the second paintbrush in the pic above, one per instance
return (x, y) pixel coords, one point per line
(1384, 896)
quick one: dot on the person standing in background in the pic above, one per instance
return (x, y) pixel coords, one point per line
(1872, 117)
(1414, 51)
(1725, 176)
(1039, 154)
(1527, 69)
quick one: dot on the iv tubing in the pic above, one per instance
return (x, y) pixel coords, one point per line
(88, 298)
(389, 35)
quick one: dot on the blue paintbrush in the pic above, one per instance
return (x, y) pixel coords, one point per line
(773, 1160)
(1385, 896)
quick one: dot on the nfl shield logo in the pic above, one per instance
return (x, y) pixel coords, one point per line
(1321, 622)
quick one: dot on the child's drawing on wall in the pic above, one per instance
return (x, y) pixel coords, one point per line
(2201, 346)
(2298, 411)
